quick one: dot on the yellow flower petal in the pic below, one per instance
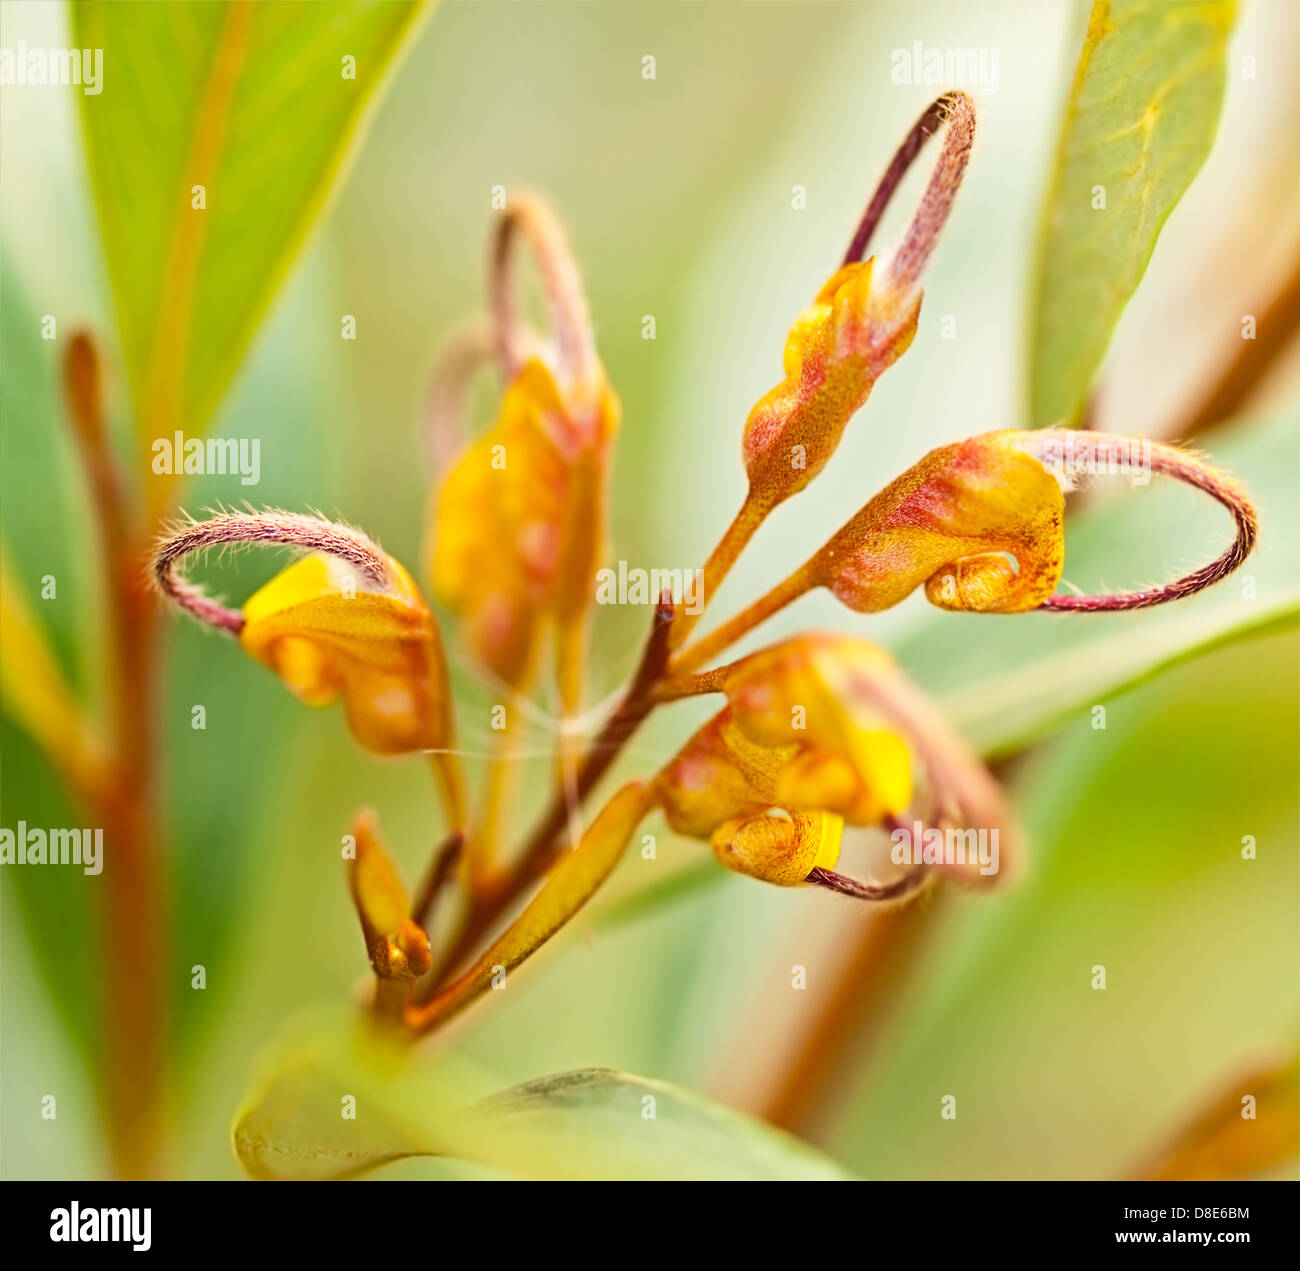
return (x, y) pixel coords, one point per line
(331, 633)
(852, 760)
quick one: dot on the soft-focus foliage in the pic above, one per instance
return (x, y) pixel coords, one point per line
(192, 270)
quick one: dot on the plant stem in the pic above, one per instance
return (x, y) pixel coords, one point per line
(134, 905)
(723, 637)
(753, 512)
(1275, 329)
(673, 689)
(545, 841)
(869, 980)
(441, 867)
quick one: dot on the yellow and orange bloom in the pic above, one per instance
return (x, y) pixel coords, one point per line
(345, 623)
(518, 525)
(333, 635)
(518, 516)
(820, 731)
(979, 524)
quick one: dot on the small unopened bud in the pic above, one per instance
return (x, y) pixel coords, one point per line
(862, 321)
(397, 947)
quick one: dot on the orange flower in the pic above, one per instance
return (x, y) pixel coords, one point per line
(979, 523)
(519, 520)
(821, 730)
(345, 622)
(332, 634)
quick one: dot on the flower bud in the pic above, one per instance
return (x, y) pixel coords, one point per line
(978, 523)
(397, 947)
(862, 321)
(783, 848)
(334, 633)
(858, 326)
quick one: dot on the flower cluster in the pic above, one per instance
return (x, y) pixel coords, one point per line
(817, 733)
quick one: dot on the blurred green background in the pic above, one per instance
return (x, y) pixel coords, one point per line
(677, 195)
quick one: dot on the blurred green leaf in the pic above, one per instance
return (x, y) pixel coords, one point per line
(1140, 121)
(1136, 835)
(44, 525)
(251, 102)
(605, 1124)
(593, 1123)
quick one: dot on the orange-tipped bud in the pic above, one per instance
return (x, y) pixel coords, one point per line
(330, 633)
(862, 321)
(397, 947)
(857, 326)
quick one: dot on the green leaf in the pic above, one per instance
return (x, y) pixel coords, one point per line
(249, 101)
(1140, 121)
(593, 1123)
